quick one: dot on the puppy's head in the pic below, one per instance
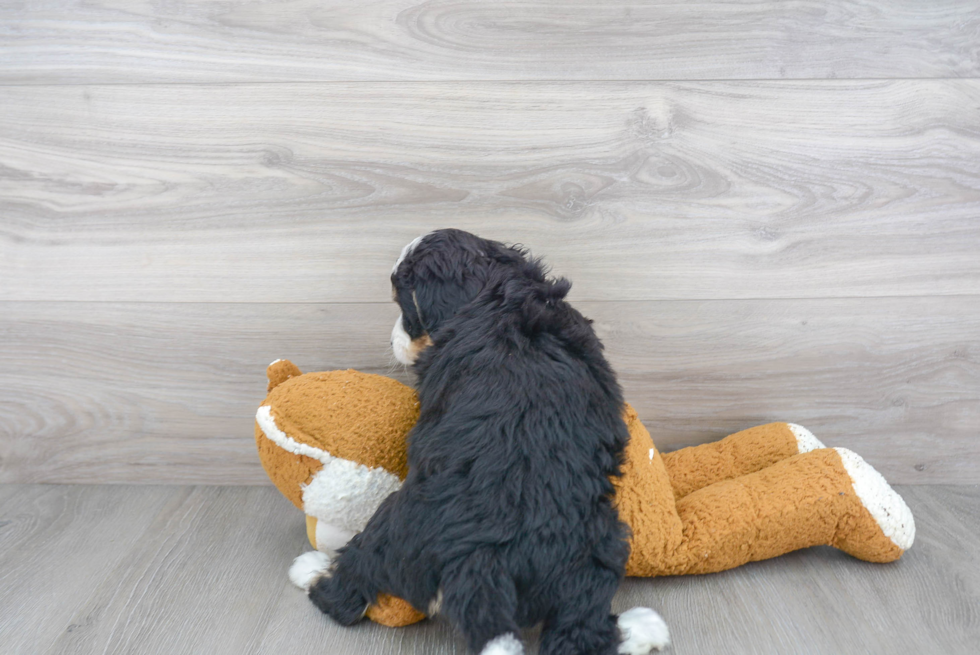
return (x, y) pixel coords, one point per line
(435, 276)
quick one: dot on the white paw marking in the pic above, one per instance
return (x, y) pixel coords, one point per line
(805, 441)
(308, 568)
(642, 631)
(505, 644)
(888, 509)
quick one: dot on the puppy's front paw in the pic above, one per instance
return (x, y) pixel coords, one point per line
(642, 631)
(308, 568)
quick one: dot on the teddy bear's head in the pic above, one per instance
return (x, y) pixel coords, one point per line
(334, 443)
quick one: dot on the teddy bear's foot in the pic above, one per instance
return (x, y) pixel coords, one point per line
(308, 568)
(643, 631)
(805, 441)
(887, 530)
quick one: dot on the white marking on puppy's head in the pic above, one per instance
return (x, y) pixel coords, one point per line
(406, 251)
(405, 348)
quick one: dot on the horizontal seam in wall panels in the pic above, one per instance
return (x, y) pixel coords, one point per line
(790, 80)
(573, 301)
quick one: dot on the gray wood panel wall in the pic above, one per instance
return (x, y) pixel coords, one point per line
(771, 210)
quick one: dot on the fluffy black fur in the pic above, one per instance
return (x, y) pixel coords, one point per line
(507, 506)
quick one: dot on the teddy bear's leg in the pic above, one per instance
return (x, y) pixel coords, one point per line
(824, 497)
(645, 502)
(325, 536)
(738, 454)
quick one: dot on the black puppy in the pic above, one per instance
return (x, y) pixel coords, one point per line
(505, 519)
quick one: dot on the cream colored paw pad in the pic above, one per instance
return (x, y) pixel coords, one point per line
(805, 441)
(888, 509)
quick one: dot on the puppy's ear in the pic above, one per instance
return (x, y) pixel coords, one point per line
(537, 303)
(438, 300)
(509, 256)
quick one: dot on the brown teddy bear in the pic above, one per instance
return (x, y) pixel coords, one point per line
(334, 443)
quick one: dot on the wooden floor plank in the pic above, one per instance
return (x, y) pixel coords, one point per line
(306, 193)
(203, 577)
(165, 393)
(319, 40)
(160, 570)
(57, 543)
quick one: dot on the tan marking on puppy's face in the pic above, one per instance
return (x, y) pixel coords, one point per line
(420, 344)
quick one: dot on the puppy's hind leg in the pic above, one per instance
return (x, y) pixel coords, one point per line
(344, 587)
(341, 592)
(580, 621)
(479, 598)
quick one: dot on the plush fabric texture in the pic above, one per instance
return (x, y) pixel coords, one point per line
(801, 501)
(279, 371)
(393, 612)
(351, 415)
(748, 497)
(388, 610)
(744, 452)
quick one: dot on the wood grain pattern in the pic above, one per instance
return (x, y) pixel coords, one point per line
(160, 570)
(330, 40)
(157, 393)
(56, 545)
(306, 193)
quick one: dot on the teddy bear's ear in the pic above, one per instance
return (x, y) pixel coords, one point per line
(279, 371)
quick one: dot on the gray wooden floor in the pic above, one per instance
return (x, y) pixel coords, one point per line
(180, 569)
